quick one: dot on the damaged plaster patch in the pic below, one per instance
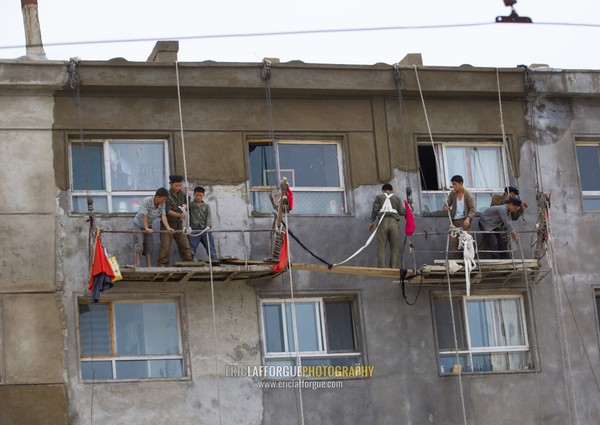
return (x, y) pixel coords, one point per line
(552, 119)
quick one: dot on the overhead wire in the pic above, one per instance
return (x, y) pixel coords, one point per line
(296, 32)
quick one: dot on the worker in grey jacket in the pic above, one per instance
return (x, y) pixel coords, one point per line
(390, 206)
(492, 220)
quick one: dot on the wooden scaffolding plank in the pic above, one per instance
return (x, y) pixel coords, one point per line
(353, 270)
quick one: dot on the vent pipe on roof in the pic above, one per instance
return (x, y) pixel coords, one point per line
(33, 33)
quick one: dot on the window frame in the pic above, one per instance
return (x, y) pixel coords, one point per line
(324, 352)
(591, 194)
(336, 141)
(114, 357)
(107, 192)
(470, 351)
(442, 169)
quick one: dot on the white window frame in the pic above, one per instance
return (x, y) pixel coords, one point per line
(113, 358)
(470, 351)
(321, 330)
(587, 193)
(442, 162)
(108, 192)
(290, 141)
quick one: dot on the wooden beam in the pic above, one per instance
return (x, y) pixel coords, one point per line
(353, 270)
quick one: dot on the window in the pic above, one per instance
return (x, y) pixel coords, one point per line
(120, 173)
(326, 333)
(481, 165)
(490, 331)
(130, 340)
(313, 169)
(588, 159)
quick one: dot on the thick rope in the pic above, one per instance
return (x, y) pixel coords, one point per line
(185, 175)
(294, 323)
(327, 263)
(214, 317)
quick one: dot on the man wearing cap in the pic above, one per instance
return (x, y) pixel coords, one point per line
(176, 214)
(497, 219)
(500, 199)
(390, 206)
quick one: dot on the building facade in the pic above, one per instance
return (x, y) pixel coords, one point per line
(162, 352)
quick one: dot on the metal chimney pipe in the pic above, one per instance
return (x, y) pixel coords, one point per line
(33, 33)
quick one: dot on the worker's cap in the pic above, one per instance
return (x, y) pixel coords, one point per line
(512, 189)
(175, 178)
(514, 200)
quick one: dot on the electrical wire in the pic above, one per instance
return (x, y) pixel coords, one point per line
(295, 32)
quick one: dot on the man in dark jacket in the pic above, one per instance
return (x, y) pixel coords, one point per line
(176, 215)
(389, 206)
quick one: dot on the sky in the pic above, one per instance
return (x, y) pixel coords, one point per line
(492, 45)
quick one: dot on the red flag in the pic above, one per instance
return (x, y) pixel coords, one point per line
(100, 264)
(290, 198)
(282, 256)
(409, 228)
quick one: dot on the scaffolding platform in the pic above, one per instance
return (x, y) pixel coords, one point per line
(222, 271)
(487, 271)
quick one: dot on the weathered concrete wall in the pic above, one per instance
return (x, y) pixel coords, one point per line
(32, 378)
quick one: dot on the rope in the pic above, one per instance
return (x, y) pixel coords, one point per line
(185, 175)
(504, 140)
(329, 265)
(294, 323)
(364, 246)
(465, 241)
(266, 76)
(452, 231)
(536, 361)
(214, 317)
(459, 375)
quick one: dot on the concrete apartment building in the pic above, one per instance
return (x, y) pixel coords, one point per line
(147, 352)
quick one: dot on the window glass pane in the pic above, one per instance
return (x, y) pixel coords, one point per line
(146, 329)
(262, 165)
(273, 328)
(94, 160)
(494, 323)
(278, 370)
(447, 362)
(94, 329)
(589, 167)
(598, 309)
(591, 203)
(443, 324)
(310, 165)
(318, 203)
(166, 368)
(456, 158)
(306, 324)
(132, 369)
(340, 330)
(482, 201)
(433, 201)
(137, 165)
(126, 203)
(80, 204)
(499, 362)
(96, 370)
(486, 165)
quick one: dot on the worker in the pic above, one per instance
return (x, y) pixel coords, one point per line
(509, 191)
(495, 219)
(388, 205)
(176, 215)
(461, 204)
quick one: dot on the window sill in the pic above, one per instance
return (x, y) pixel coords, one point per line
(121, 381)
(482, 373)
